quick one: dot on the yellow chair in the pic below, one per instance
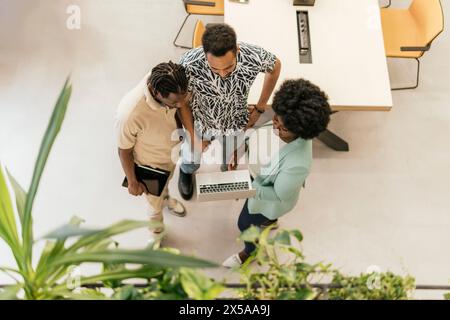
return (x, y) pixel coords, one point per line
(200, 7)
(198, 33)
(408, 33)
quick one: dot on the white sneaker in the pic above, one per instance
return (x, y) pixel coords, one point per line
(175, 207)
(233, 261)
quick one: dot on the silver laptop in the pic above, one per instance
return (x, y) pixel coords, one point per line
(227, 185)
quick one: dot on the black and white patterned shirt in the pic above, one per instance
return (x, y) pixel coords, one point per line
(219, 106)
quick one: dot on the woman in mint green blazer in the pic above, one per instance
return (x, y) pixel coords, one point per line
(302, 112)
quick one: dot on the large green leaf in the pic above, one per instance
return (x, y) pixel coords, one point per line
(115, 229)
(8, 228)
(145, 272)
(283, 237)
(68, 231)
(199, 287)
(297, 234)
(10, 292)
(52, 131)
(128, 292)
(21, 195)
(145, 257)
(104, 244)
(10, 273)
(251, 234)
(51, 250)
(98, 241)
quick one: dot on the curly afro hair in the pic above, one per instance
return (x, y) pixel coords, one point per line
(302, 107)
(218, 39)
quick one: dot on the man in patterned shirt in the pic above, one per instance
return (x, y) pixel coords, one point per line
(221, 73)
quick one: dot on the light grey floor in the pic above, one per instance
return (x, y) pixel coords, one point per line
(384, 203)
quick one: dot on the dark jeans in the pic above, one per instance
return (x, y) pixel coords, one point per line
(246, 220)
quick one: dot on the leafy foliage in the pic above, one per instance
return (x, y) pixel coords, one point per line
(287, 280)
(373, 286)
(295, 279)
(50, 277)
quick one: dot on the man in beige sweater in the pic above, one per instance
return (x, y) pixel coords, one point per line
(147, 134)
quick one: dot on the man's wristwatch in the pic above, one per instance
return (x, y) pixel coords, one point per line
(260, 111)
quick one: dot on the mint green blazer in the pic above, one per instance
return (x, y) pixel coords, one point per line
(278, 191)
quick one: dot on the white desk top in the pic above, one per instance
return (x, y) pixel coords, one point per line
(347, 47)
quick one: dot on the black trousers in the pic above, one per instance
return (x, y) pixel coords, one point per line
(246, 220)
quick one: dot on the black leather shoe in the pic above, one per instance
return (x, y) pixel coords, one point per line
(185, 185)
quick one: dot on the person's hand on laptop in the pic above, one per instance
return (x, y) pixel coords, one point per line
(254, 114)
(136, 188)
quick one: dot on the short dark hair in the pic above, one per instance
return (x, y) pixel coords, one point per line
(218, 39)
(303, 108)
(168, 77)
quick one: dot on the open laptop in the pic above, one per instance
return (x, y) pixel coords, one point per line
(227, 185)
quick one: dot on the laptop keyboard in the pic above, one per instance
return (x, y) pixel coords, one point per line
(224, 187)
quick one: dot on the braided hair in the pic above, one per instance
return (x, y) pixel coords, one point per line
(168, 77)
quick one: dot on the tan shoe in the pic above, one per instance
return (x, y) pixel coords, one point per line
(175, 207)
(155, 239)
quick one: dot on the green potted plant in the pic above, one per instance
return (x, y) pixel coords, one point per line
(49, 278)
(282, 273)
(272, 278)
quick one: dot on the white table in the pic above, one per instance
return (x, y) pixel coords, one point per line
(348, 57)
